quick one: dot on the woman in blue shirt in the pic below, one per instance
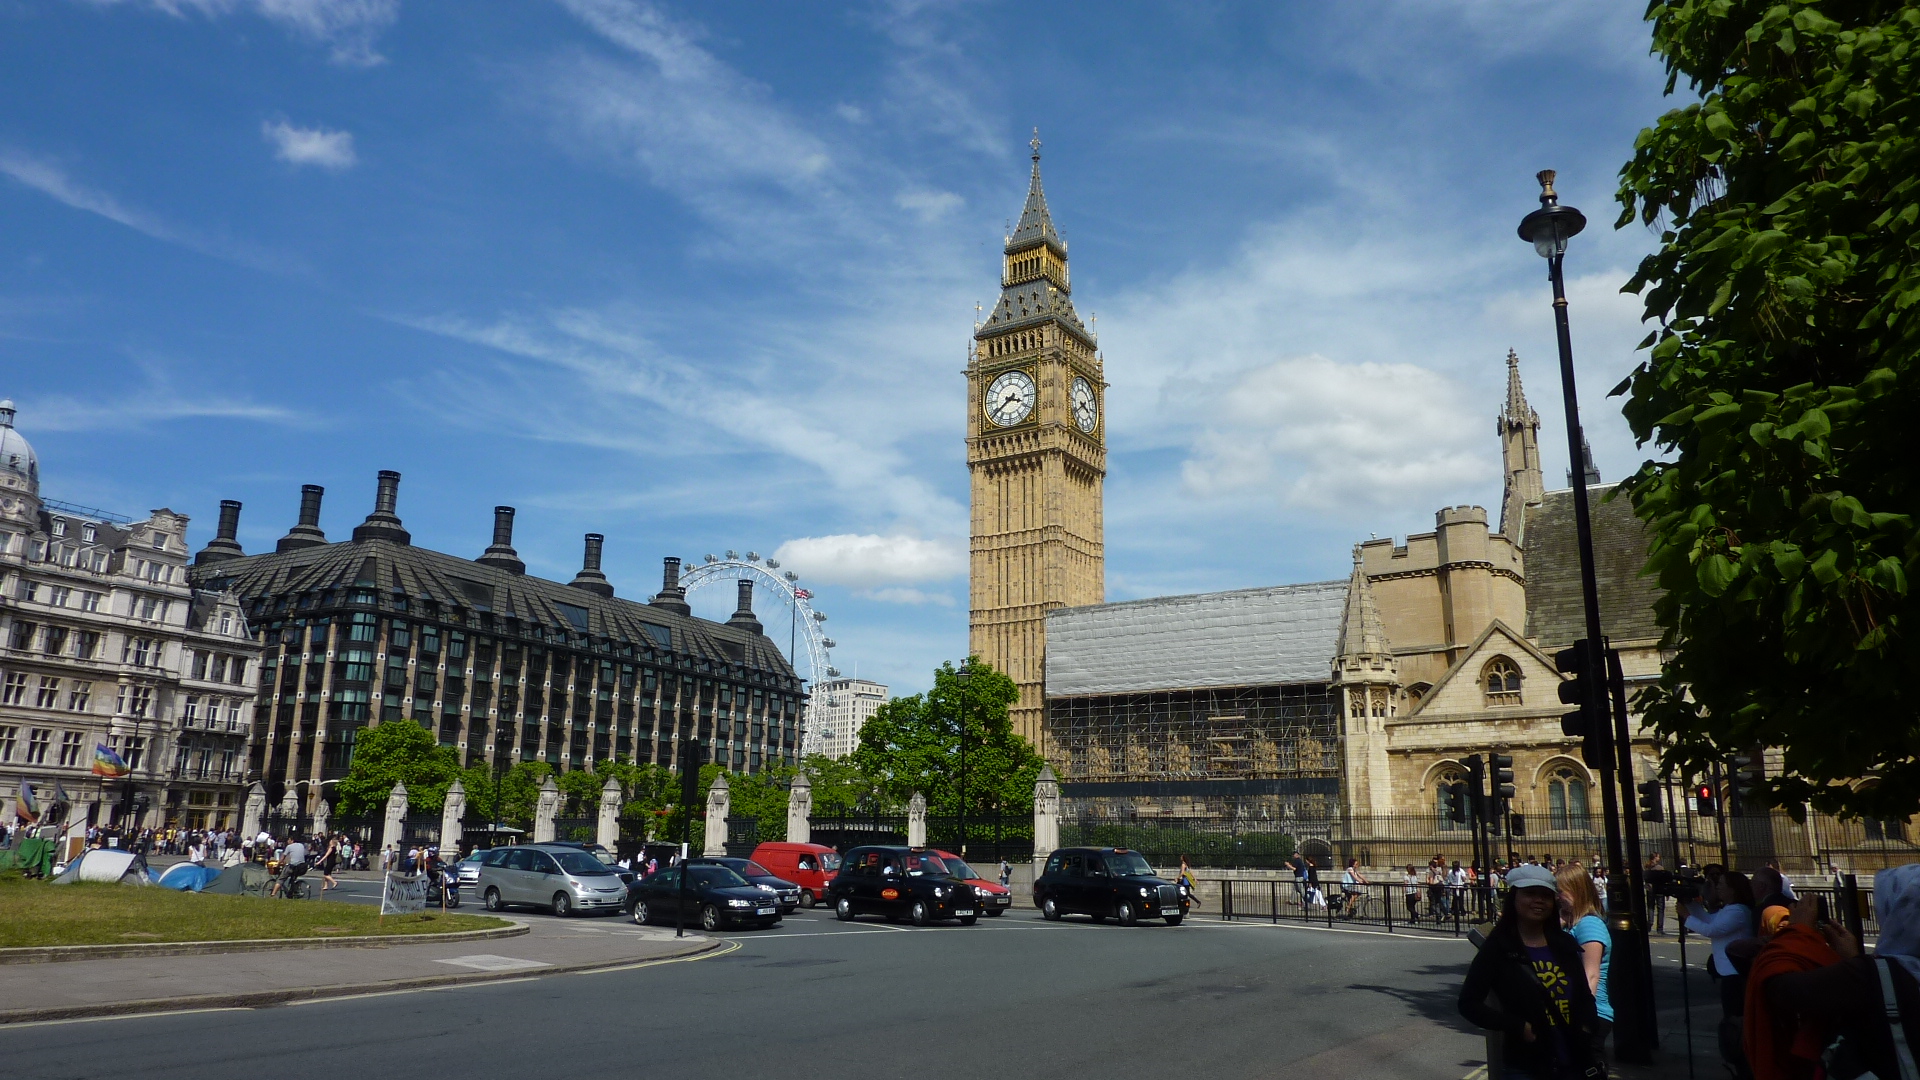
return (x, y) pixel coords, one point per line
(1580, 914)
(1732, 922)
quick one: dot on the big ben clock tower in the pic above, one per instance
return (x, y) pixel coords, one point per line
(1036, 449)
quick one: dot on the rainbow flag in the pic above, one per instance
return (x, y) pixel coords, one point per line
(25, 806)
(107, 763)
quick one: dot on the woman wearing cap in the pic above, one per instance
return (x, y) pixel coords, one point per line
(1529, 982)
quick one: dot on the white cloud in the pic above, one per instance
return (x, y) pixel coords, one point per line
(914, 597)
(1321, 434)
(852, 114)
(929, 204)
(348, 27)
(866, 560)
(51, 180)
(310, 146)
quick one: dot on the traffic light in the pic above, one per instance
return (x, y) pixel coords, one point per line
(1650, 800)
(1456, 794)
(1477, 786)
(1747, 776)
(1516, 825)
(1589, 721)
(1704, 802)
(1500, 767)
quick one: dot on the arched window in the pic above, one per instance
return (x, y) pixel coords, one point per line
(1417, 693)
(1566, 800)
(1444, 783)
(1501, 678)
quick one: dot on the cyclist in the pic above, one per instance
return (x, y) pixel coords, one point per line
(293, 863)
(1352, 887)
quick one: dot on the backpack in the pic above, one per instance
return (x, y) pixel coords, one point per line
(1841, 1060)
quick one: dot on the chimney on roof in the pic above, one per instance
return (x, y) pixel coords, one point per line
(307, 533)
(501, 553)
(223, 546)
(743, 611)
(383, 523)
(590, 578)
(672, 597)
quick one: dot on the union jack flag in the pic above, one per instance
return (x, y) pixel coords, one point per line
(802, 594)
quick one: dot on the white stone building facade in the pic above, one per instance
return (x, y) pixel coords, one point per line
(840, 708)
(104, 643)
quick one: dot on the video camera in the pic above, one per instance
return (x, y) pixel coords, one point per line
(1683, 885)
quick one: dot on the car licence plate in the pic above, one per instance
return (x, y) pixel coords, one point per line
(764, 911)
(964, 913)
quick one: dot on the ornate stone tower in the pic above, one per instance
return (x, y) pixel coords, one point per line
(1036, 449)
(1366, 678)
(1519, 428)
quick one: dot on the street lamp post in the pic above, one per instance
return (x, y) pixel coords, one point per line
(1548, 229)
(963, 677)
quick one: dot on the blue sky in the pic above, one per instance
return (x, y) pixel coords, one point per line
(702, 276)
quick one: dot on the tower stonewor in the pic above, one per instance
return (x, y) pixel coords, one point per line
(1036, 449)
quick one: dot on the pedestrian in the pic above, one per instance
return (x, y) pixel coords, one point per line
(1786, 883)
(388, 857)
(329, 862)
(1413, 894)
(1526, 983)
(1006, 872)
(1581, 915)
(1731, 924)
(1188, 882)
(1436, 891)
(1659, 879)
(1299, 863)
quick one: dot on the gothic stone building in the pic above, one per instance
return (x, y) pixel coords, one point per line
(500, 665)
(105, 643)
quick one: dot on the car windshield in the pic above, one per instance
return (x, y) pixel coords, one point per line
(925, 864)
(605, 857)
(1127, 864)
(958, 867)
(829, 860)
(754, 869)
(719, 877)
(579, 862)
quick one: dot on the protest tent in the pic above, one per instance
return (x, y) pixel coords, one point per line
(105, 864)
(243, 879)
(188, 877)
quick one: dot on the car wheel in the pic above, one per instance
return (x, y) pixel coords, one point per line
(919, 914)
(709, 918)
(843, 910)
(641, 916)
(969, 920)
(491, 900)
(1126, 915)
(996, 913)
(562, 905)
(1097, 916)
(807, 899)
(1049, 909)
(1174, 920)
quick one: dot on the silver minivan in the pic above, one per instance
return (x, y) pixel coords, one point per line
(561, 879)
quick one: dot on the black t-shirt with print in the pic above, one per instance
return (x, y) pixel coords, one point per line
(1554, 979)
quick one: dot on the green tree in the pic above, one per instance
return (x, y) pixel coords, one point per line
(913, 744)
(763, 796)
(839, 787)
(1780, 385)
(400, 750)
(519, 792)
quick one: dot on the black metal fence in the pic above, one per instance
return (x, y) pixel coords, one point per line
(988, 837)
(1446, 908)
(585, 830)
(843, 831)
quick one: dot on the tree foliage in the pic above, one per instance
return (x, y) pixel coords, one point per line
(1780, 384)
(913, 744)
(392, 752)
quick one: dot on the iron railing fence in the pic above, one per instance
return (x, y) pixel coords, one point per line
(1444, 908)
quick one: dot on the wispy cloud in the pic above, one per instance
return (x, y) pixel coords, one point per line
(914, 597)
(331, 150)
(61, 413)
(866, 560)
(51, 180)
(349, 28)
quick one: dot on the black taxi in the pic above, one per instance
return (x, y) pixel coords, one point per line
(1106, 883)
(900, 882)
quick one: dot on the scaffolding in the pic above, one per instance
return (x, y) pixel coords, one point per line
(1182, 751)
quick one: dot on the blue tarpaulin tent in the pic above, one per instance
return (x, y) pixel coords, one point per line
(188, 877)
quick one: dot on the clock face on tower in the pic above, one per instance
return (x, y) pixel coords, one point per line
(1010, 398)
(1086, 409)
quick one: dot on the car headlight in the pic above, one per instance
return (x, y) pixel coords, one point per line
(939, 891)
(1144, 891)
(739, 903)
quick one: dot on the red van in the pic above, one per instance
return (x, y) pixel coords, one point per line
(810, 866)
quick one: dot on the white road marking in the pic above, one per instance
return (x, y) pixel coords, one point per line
(492, 962)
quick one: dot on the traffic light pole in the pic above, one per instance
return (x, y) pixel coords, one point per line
(1635, 1037)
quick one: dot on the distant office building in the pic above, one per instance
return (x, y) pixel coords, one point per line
(104, 644)
(841, 707)
(502, 666)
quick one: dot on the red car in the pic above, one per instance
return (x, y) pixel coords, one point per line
(995, 898)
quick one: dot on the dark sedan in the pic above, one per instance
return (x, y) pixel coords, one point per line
(787, 891)
(716, 898)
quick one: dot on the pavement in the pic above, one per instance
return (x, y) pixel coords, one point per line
(816, 997)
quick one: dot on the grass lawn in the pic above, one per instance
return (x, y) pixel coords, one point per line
(36, 913)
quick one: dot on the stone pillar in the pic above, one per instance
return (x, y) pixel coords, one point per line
(290, 804)
(545, 809)
(1046, 814)
(256, 809)
(450, 815)
(610, 799)
(719, 801)
(917, 821)
(800, 810)
(322, 815)
(396, 817)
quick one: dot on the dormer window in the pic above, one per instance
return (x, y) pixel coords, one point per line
(88, 534)
(159, 540)
(1501, 678)
(59, 526)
